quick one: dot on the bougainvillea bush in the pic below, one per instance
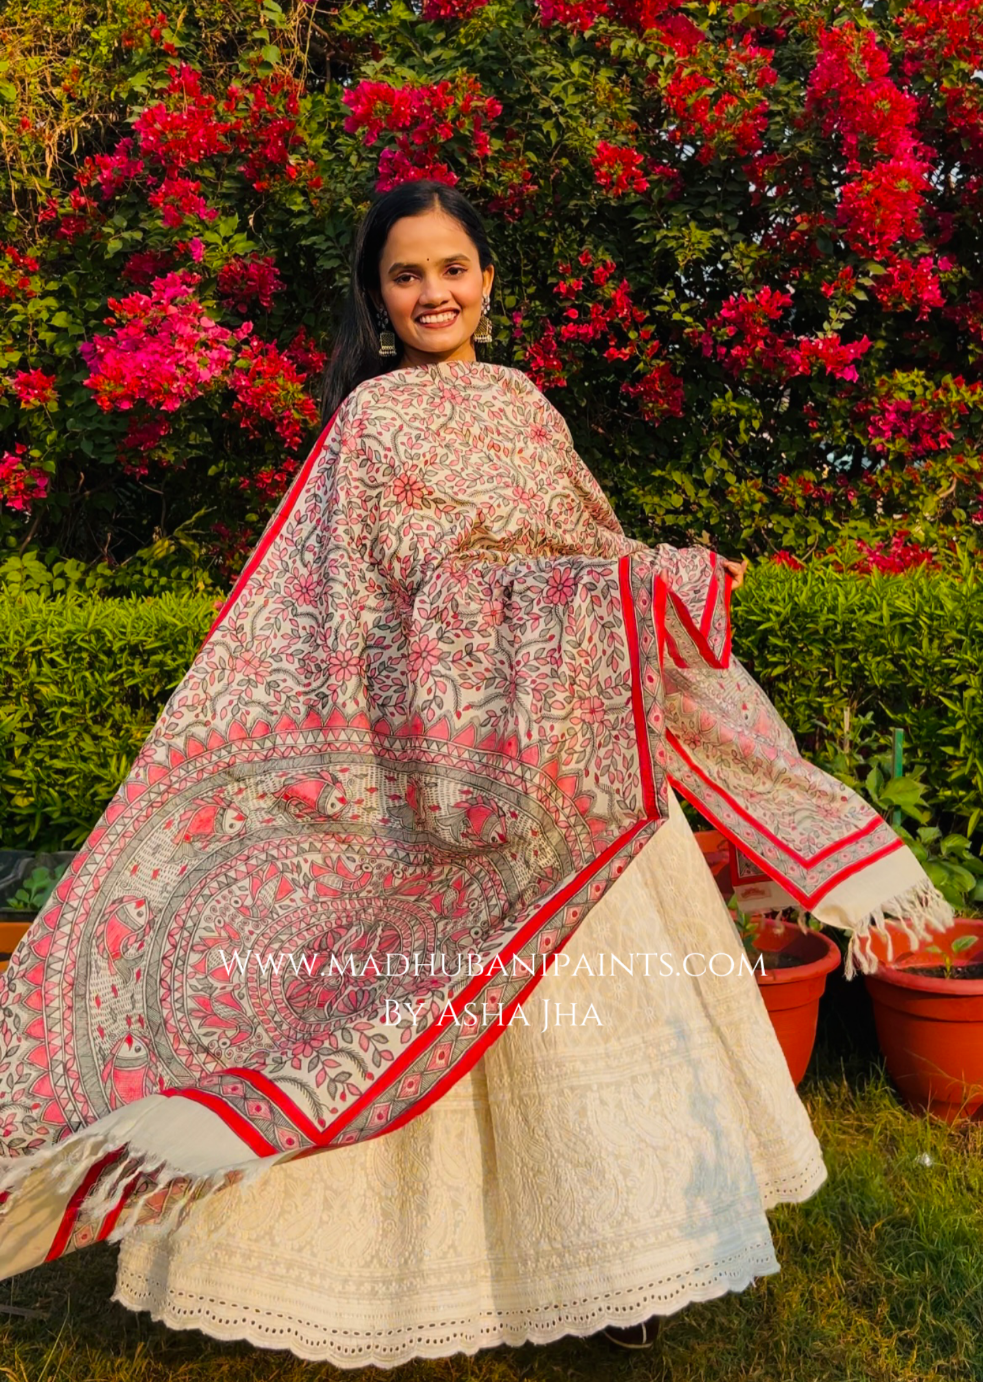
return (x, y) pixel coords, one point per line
(737, 244)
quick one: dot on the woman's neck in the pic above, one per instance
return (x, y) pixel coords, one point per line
(409, 357)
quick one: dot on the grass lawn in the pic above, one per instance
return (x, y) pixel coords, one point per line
(881, 1275)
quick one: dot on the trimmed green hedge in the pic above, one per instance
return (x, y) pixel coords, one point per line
(82, 681)
(896, 651)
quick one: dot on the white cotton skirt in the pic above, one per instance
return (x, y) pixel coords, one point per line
(591, 1173)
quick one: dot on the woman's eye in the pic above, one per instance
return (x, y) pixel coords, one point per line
(457, 269)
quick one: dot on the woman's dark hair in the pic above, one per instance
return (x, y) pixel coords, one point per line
(356, 349)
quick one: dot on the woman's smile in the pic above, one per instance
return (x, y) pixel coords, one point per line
(434, 321)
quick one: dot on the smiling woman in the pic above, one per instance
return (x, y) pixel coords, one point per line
(423, 273)
(441, 714)
(433, 287)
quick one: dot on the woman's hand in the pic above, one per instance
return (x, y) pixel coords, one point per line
(736, 570)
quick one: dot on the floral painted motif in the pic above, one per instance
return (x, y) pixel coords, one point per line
(431, 720)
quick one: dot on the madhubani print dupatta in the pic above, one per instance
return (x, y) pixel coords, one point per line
(433, 722)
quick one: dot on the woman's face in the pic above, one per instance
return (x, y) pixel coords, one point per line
(431, 285)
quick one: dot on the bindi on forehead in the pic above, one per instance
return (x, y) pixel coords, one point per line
(401, 264)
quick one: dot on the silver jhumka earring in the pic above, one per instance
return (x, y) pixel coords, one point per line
(387, 337)
(483, 332)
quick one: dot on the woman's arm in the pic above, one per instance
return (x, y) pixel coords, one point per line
(736, 570)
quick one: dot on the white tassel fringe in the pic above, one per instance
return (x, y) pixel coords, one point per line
(184, 1189)
(920, 912)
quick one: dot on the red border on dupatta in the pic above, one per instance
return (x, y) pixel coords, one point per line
(807, 900)
(323, 1137)
(698, 633)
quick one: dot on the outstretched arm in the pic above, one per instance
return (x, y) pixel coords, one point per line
(736, 570)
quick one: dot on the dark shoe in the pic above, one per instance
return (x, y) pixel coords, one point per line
(634, 1335)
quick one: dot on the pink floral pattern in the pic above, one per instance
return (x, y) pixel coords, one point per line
(429, 720)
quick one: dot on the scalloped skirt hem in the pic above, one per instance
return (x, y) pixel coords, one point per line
(576, 1177)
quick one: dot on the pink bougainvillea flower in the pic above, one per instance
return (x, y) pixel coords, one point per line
(883, 205)
(34, 388)
(269, 387)
(912, 284)
(302, 351)
(164, 351)
(660, 393)
(144, 265)
(742, 337)
(837, 357)
(542, 361)
(421, 119)
(243, 280)
(20, 482)
(894, 557)
(852, 92)
(451, 9)
(714, 98)
(618, 170)
(16, 269)
(182, 133)
(180, 198)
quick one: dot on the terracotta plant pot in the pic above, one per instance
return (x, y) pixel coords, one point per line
(930, 1028)
(13, 925)
(792, 993)
(716, 851)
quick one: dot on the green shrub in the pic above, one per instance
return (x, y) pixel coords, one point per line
(84, 678)
(895, 652)
(82, 681)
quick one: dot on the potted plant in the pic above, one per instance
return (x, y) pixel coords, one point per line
(928, 997)
(791, 967)
(25, 891)
(716, 851)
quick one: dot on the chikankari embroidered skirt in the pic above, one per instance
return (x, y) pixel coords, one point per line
(591, 1172)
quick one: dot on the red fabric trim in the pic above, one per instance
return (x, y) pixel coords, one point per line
(478, 1048)
(299, 480)
(70, 1216)
(807, 900)
(728, 591)
(427, 1038)
(659, 597)
(284, 1103)
(698, 632)
(673, 650)
(746, 815)
(109, 1223)
(232, 1119)
(710, 601)
(642, 738)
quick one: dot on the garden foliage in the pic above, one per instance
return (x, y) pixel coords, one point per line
(83, 680)
(738, 245)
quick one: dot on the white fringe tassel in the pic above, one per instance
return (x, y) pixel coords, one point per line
(64, 1166)
(920, 912)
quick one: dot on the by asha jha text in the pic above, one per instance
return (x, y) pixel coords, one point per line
(554, 1014)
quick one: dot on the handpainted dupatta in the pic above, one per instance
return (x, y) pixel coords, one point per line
(433, 722)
